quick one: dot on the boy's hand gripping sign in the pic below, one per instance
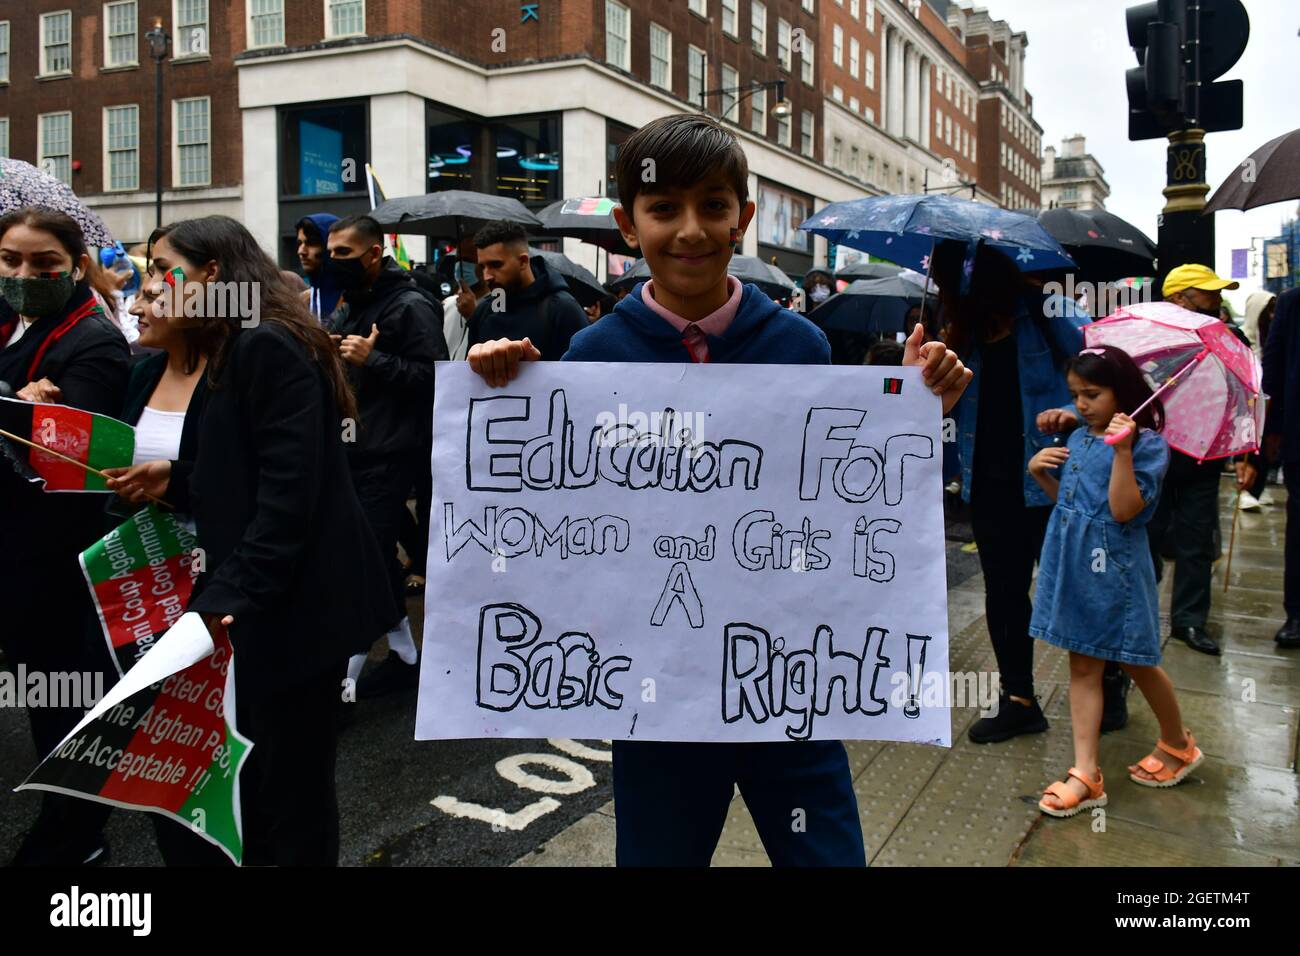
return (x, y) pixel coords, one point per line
(698, 552)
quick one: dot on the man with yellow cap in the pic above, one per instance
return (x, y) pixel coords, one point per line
(1187, 519)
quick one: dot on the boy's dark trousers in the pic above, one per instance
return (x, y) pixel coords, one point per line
(671, 801)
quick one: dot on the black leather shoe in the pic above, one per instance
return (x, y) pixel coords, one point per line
(1114, 712)
(1011, 720)
(1197, 639)
(1289, 634)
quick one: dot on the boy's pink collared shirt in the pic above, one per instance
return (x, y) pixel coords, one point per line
(694, 333)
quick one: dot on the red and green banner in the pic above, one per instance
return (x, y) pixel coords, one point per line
(93, 440)
(163, 739)
(141, 575)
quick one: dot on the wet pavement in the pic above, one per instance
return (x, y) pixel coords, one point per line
(976, 805)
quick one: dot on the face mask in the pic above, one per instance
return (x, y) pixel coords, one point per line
(38, 297)
(819, 293)
(351, 273)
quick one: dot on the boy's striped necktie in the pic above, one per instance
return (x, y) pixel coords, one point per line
(696, 342)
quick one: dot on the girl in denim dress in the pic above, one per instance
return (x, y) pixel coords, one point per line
(1096, 594)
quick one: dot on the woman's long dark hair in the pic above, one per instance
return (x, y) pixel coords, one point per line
(989, 305)
(240, 259)
(1113, 368)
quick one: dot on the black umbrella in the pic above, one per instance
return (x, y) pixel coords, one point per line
(1104, 246)
(770, 280)
(451, 212)
(869, 306)
(1270, 174)
(868, 270)
(589, 218)
(586, 288)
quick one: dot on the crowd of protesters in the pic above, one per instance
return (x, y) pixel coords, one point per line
(296, 444)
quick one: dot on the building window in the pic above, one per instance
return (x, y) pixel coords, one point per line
(730, 101)
(345, 18)
(806, 133)
(870, 114)
(938, 123)
(121, 147)
(730, 18)
(947, 130)
(758, 26)
(947, 82)
(56, 44)
(266, 22)
(871, 15)
(758, 112)
(661, 57)
(4, 136)
(314, 142)
(119, 34)
(806, 61)
(618, 35)
(4, 51)
(855, 161)
(854, 8)
(808, 5)
(855, 104)
(694, 75)
(191, 18)
(698, 6)
(193, 165)
(783, 44)
(54, 145)
(783, 130)
(837, 45)
(837, 94)
(871, 167)
(527, 158)
(837, 152)
(855, 56)
(869, 77)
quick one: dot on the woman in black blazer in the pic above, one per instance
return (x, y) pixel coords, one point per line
(292, 567)
(55, 346)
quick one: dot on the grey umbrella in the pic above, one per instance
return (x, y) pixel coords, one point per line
(451, 212)
(588, 218)
(869, 270)
(1270, 174)
(22, 184)
(586, 288)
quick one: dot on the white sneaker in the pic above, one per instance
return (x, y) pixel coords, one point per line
(1266, 498)
(1249, 502)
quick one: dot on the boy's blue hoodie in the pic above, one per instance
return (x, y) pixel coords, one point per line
(761, 333)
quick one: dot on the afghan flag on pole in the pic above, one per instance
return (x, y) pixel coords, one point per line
(376, 197)
(95, 441)
(163, 740)
(141, 575)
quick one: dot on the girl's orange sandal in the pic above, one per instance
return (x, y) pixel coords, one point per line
(1161, 776)
(1071, 802)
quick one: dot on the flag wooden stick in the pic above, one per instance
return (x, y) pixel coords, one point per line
(1232, 540)
(80, 464)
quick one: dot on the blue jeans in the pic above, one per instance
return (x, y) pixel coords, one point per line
(671, 801)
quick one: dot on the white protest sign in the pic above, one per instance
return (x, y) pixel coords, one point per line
(686, 552)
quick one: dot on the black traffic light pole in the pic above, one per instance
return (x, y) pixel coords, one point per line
(1182, 46)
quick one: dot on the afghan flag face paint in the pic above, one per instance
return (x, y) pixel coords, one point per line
(163, 739)
(95, 441)
(141, 575)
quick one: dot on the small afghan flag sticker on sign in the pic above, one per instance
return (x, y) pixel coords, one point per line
(893, 386)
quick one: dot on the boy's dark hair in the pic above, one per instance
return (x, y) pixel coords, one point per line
(510, 233)
(884, 352)
(310, 230)
(366, 228)
(684, 148)
(1113, 368)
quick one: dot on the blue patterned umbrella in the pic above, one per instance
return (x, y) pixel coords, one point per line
(904, 229)
(22, 184)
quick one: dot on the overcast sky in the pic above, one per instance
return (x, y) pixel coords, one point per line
(1074, 68)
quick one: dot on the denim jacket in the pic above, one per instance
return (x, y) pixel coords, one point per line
(1042, 384)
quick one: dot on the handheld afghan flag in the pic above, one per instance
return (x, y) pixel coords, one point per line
(394, 240)
(90, 440)
(163, 740)
(141, 575)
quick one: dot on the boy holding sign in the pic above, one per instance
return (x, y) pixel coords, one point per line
(683, 184)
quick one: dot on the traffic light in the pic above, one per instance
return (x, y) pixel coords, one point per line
(1181, 46)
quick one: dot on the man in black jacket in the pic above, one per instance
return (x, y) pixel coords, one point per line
(389, 336)
(1282, 443)
(525, 300)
